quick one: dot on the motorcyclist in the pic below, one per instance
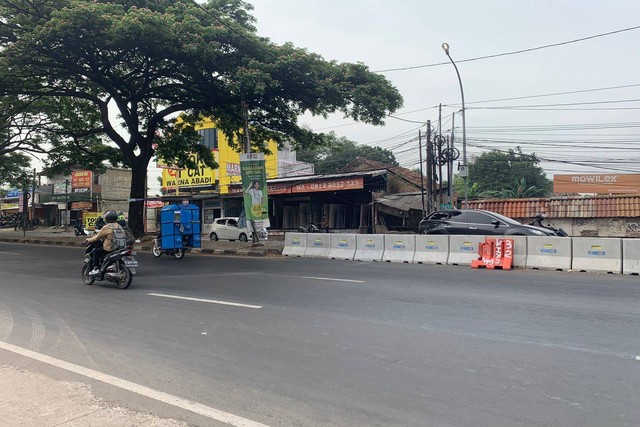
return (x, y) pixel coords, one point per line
(106, 235)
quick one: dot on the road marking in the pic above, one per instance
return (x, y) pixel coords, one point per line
(160, 396)
(329, 278)
(637, 357)
(210, 301)
(9, 253)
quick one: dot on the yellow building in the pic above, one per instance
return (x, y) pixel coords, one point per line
(205, 180)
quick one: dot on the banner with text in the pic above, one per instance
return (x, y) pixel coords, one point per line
(254, 186)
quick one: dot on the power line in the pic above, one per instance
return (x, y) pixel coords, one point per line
(512, 52)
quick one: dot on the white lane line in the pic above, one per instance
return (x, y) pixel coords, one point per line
(210, 301)
(329, 278)
(160, 396)
(9, 253)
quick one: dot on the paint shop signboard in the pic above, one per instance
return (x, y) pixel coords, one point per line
(597, 183)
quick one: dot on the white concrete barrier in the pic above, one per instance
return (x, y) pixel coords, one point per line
(631, 256)
(597, 254)
(431, 249)
(399, 247)
(545, 252)
(369, 247)
(295, 244)
(318, 245)
(519, 250)
(343, 246)
(463, 249)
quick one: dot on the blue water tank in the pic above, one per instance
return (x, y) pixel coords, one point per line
(180, 226)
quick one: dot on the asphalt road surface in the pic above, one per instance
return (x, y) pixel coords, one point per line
(301, 342)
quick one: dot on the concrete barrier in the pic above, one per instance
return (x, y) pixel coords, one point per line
(593, 254)
(463, 249)
(631, 256)
(431, 249)
(369, 247)
(519, 250)
(343, 246)
(399, 247)
(552, 253)
(295, 244)
(318, 245)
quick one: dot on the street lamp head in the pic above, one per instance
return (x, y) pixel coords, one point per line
(445, 47)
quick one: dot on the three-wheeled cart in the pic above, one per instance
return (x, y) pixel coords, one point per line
(179, 230)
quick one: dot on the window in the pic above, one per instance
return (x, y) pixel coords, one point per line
(209, 137)
(221, 221)
(457, 216)
(232, 223)
(480, 218)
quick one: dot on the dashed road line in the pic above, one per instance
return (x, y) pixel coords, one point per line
(210, 301)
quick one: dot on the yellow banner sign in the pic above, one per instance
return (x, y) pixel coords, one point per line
(201, 176)
(90, 219)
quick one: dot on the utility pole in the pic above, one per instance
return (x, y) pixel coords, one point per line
(33, 198)
(429, 170)
(440, 141)
(451, 159)
(421, 171)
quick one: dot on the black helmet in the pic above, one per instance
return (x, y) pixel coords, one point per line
(111, 216)
(100, 222)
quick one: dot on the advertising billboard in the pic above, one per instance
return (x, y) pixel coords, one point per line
(597, 183)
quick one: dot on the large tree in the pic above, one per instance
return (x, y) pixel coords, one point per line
(135, 65)
(507, 174)
(336, 152)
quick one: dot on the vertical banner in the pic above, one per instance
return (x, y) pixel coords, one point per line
(254, 188)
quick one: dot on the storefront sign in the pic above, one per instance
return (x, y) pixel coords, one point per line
(154, 204)
(200, 177)
(90, 219)
(81, 206)
(81, 181)
(233, 169)
(597, 183)
(356, 183)
(13, 193)
(60, 188)
(8, 206)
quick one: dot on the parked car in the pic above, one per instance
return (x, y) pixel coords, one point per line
(227, 228)
(478, 222)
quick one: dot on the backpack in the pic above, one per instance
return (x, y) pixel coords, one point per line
(119, 238)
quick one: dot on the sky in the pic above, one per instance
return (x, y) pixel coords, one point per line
(593, 129)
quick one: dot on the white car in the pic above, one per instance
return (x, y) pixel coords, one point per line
(226, 228)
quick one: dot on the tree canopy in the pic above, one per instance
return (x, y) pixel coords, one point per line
(123, 70)
(336, 152)
(506, 174)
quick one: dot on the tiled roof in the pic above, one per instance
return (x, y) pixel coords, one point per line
(601, 206)
(407, 180)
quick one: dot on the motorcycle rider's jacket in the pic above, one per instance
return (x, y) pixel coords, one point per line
(105, 233)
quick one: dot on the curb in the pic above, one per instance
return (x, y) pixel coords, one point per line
(147, 248)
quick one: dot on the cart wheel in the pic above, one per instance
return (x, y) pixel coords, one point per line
(179, 253)
(156, 250)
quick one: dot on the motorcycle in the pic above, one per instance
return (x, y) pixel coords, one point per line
(118, 266)
(538, 223)
(79, 230)
(158, 251)
(311, 228)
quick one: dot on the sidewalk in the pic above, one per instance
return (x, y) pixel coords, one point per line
(58, 236)
(30, 399)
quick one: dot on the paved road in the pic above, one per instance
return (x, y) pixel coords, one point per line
(286, 342)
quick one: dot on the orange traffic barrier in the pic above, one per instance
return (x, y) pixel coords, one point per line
(494, 254)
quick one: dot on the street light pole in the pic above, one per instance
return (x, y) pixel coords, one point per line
(464, 171)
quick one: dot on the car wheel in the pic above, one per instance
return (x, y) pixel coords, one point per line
(214, 237)
(243, 237)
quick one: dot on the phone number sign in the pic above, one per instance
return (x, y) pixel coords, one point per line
(342, 184)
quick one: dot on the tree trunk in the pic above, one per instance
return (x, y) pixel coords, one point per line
(137, 195)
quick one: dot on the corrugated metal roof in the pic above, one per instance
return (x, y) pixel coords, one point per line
(601, 206)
